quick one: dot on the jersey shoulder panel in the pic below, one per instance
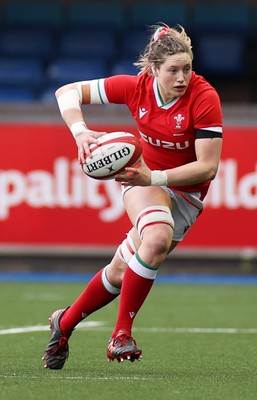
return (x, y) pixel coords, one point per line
(204, 103)
(119, 89)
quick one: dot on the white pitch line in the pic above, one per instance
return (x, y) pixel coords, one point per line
(197, 330)
(40, 328)
(99, 326)
(89, 378)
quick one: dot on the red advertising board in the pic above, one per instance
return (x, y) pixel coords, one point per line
(45, 198)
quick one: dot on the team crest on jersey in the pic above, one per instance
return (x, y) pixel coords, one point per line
(179, 119)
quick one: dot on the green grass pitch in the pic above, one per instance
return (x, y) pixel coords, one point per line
(198, 342)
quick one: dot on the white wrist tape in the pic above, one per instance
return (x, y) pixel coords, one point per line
(77, 128)
(159, 178)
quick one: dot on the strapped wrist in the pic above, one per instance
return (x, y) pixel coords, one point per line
(159, 178)
(77, 128)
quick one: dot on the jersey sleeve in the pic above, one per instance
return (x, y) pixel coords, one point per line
(118, 89)
(207, 112)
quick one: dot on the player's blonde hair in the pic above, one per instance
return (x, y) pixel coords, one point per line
(165, 41)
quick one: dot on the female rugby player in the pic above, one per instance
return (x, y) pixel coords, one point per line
(178, 115)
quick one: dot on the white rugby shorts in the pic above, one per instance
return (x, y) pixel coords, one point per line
(186, 207)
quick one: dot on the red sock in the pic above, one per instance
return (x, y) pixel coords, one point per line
(94, 297)
(133, 293)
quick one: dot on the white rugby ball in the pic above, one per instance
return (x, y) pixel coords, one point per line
(115, 152)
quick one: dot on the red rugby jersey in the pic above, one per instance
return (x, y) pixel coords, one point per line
(167, 130)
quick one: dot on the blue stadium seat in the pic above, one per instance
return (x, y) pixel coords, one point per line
(2, 14)
(124, 66)
(20, 72)
(221, 55)
(17, 95)
(133, 43)
(26, 42)
(144, 13)
(253, 26)
(88, 43)
(47, 95)
(102, 14)
(33, 13)
(65, 70)
(223, 16)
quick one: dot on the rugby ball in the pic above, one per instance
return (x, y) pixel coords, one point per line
(115, 152)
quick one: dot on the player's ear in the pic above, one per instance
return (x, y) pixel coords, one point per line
(154, 70)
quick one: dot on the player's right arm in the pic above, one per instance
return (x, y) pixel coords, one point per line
(70, 98)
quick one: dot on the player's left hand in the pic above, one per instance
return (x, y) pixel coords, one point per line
(139, 176)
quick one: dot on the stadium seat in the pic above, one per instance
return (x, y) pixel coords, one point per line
(220, 54)
(2, 14)
(47, 95)
(65, 70)
(124, 66)
(26, 42)
(133, 43)
(15, 72)
(223, 16)
(17, 95)
(102, 14)
(143, 13)
(31, 13)
(88, 43)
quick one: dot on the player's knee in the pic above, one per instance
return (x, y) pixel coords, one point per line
(155, 227)
(115, 271)
(158, 240)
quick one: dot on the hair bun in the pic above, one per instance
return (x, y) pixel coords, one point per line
(162, 30)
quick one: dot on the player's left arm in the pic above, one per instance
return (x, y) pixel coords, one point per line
(208, 151)
(207, 116)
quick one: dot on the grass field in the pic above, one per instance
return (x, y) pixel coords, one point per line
(199, 342)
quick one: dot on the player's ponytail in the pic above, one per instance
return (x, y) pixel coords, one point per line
(164, 41)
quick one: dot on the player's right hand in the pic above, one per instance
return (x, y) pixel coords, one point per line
(84, 140)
